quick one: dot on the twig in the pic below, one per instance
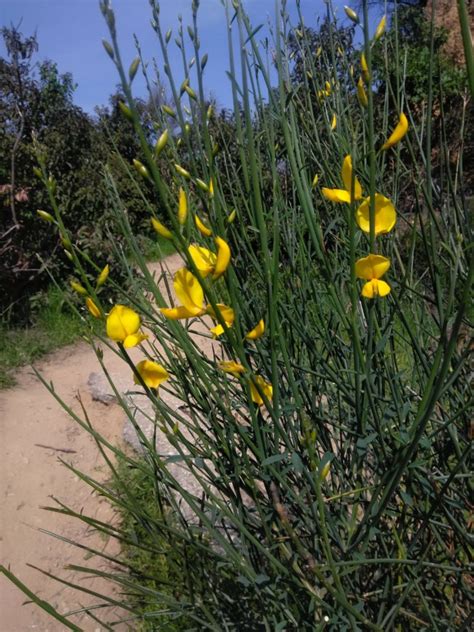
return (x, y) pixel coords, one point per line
(49, 447)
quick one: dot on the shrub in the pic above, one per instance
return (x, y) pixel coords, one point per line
(327, 433)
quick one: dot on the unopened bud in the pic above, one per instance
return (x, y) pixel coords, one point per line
(190, 92)
(103, 276)
(351, 14)
(168, 35)
(108, 48)
(141, 169)
(204, 61)
(182, 171)
(232, 217)
(126, 111)
(77, 287)
(202, 185)
(315, 181)
(161, 142)
(46, 216)
(167, 110)
(132, 71)
(380, 30)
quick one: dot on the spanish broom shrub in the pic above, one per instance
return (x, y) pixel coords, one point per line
(327, 433)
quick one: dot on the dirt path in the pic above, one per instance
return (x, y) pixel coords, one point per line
(35, 431)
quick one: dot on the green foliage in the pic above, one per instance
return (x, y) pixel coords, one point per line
(336, 499)
(54, 325)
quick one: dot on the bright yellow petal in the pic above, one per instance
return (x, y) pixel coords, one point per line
(183, 206)
(152, 373)
(346, 174)
(385, 215)
(217, 331)
(202, 228)
(161, 229)
(372, 267)
(257, 331)
(336, 195)
(176, 313)
(226, 312)
(375, 288)
(189, 291)
(265, 387)
(93, 309)
(229, 366)
(223, 257)
(398, 133)
(134, 339)
(204, 259)
(122, 322)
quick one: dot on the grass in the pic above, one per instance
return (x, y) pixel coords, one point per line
(55, 325)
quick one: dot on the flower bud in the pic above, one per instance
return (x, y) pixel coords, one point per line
(46, 216)
(232, 217)
(93, 309)
(141, 169)
(182, 171)
(132, 71)
(161, 143)
(161, 229)
(202, 185)
(351, 14)
(103, 276)
(77, 287)
(126, 111)
(167, 110)
(204, 61)
(168, 35)
(108, 48)
(380, 30)
(315, 181)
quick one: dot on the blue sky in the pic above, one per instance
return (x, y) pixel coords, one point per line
(70, 33)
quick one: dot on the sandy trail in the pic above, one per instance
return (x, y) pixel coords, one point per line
(34, 431)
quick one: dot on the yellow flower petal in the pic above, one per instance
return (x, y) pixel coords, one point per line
(176, 313)
(229, 366)
(346, 174)
(336, 195)
(152, 373)
(374, 288)
(202, 228)
(189, 291)
(223, 257)
(92, 307)
(265, 387)
(372, 267)
(257, 331)
(398, 133)
(161, 228)
(204, 259)
(122, 322)
(134, 339)
(226, 312)
(183, 206)
(385, 215)
(217, 331)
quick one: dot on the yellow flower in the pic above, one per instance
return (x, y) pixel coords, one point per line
(202, 228)
(344, 195)
(361, 93)
(161, 228)
(226, 312)
(103, 276)
(92, 307)
(372, 268)
(223, 257)
(333, 122)
(204, 259)
(152, 373)
(190, 293)
(229, 366)
(398, 133)
(385, 215)
(265, 387)
(122, 326)
(182, 207)
(257, 331)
